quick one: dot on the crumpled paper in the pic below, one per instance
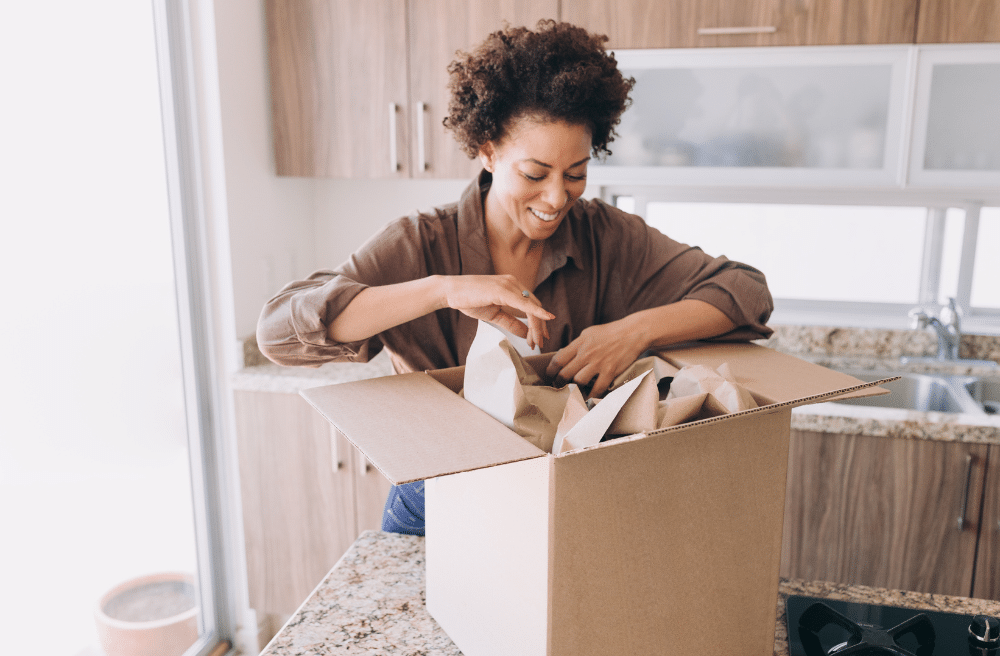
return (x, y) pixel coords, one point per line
(697, 392)
(502, 384)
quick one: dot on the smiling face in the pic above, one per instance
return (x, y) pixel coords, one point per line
(539, 170)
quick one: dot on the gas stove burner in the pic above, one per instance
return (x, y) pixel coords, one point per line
(864, 639)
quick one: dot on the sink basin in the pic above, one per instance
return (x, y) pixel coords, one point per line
(922, 392)
(986, 393)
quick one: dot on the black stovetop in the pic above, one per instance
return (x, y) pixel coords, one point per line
(948, 636)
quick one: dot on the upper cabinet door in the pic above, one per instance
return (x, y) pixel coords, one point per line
(339, 87)
(438, 30)
(807, 116)
(735, 23)
(959, 21)
(956, 135)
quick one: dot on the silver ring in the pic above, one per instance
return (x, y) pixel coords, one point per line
(526, 294)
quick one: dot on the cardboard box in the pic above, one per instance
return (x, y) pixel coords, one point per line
(660, 543)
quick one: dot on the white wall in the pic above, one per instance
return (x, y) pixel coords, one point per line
(348, 212)
(270, 218)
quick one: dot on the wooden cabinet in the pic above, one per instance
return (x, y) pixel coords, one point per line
(439, 28)
(338, 87)
(884, 512)
(359, 89)
(727, 23)
(987, 582)
(958, 21)
(307, 495)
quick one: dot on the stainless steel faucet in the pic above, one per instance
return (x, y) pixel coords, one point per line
(947, 325)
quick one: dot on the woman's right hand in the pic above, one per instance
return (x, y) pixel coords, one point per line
(497, 299)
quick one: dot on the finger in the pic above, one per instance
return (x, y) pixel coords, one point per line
(555, 364)
(531, 306)
(509, 323)
(601, 386)
(585, 376)
(537, 332)
(572, 370)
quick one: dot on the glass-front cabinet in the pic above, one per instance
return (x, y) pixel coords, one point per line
(956, 120)
(836, 117)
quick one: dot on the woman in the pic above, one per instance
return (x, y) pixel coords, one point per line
(520, 249)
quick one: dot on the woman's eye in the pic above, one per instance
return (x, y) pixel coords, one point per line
(534, 178)
(577, 178)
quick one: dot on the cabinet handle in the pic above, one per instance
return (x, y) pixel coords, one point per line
(421, 153)
(363, 465)
(393, 155)
(714, 31)
(338, 462)
(965, 492)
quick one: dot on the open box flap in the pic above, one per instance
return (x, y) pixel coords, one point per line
(411, 427)
(772, 375)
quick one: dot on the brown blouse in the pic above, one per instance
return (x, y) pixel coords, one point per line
(600, 265)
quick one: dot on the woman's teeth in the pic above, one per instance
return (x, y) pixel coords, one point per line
(542, 216)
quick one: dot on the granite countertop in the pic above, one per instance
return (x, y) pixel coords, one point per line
(372, 602)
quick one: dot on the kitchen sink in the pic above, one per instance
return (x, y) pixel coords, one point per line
(928, 392)
(986, 393)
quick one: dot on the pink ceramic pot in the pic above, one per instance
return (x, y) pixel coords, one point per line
(155, 615)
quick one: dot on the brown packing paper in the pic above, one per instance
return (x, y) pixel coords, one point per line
(499, 382)
(595, 424)
(660, 368)
(575, 410)
(673, 412)
(718, 384)
(638, 415)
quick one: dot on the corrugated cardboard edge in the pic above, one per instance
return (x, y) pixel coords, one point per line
(772, 407)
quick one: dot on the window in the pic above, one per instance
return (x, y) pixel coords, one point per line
(109, 462)
(986, 272)
(841, 264)
(808, 252)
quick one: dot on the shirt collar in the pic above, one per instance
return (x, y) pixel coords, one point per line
(475, 253)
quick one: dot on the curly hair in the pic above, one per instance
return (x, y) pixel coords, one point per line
(558, 72)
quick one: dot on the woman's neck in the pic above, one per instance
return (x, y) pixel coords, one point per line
(503, 236)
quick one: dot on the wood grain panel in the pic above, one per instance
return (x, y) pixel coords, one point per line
(882, 512)
(958, 21)
(298, 512)
(438, 30)
(675, 23)
(987, 584)
(335, 66)
(370, 491)
(646, 23)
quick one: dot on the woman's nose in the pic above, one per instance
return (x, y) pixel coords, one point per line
(555, 195)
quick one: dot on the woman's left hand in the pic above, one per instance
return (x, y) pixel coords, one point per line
(600, 352)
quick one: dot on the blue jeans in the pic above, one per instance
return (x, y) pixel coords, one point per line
(404, 509)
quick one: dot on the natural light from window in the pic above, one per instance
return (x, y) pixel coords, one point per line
(809, 252)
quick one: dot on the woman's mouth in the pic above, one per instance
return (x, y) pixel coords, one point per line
(543, 216)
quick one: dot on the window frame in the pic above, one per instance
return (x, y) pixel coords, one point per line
(223, 627)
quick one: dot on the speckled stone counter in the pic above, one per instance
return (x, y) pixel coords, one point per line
(263, 376)
(372, 602)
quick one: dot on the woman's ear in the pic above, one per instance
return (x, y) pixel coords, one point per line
(486, 155)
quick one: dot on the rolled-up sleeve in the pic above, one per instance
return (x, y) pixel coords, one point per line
(292, 328)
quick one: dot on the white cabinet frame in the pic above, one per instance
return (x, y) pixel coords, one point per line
(928, 57)
(900, 59)
(902, 179)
